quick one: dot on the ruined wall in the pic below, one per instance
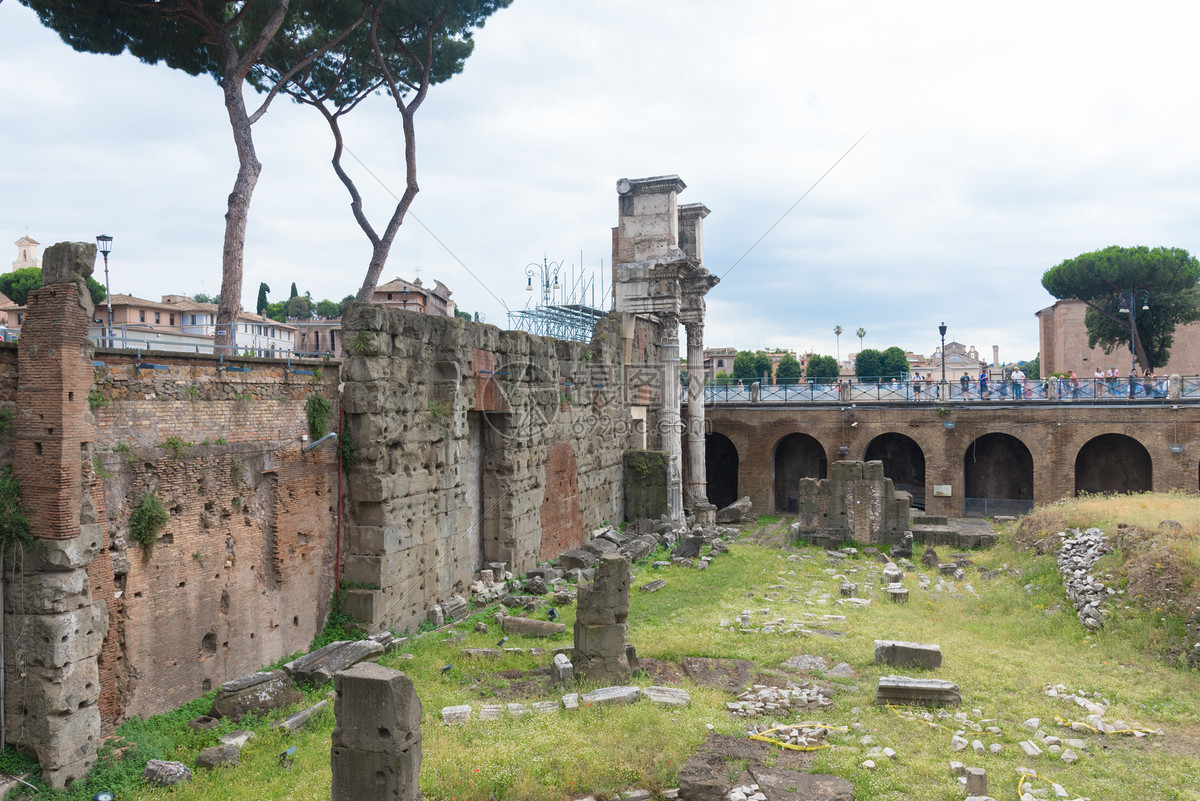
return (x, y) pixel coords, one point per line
(476, 445)
(855, 503)
(242, 573)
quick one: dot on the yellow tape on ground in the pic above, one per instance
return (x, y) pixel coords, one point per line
(762, 736)
(895, 709)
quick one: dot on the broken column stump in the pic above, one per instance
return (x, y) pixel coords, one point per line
(602, 607)
(908, 654)
(376, 750)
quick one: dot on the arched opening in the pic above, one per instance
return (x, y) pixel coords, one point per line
(997, 477)
(797, 456)
(1113, 463)
(903, 462)
(720, 470)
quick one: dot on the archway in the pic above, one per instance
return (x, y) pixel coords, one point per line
(903, 462)
(1113, 463)
(797, 456)
(997, 477)
(720, 469)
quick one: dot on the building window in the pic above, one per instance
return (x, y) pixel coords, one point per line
(172, 320)
(720, 362)
(20, 318)
(157, 318)
(141, 315)
(389, 295)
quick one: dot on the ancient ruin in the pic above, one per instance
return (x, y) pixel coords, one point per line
(376, 750)
(856, 503)
(600, 628)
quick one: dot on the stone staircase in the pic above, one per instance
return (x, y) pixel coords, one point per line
(937, 530)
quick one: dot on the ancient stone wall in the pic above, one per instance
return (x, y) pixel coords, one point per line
(476, 445)
(240, 574)
(855, 503)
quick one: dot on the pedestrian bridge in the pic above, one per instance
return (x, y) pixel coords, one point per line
(1054, 389)
(959, 456)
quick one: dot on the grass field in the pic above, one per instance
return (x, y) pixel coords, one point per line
(1003, 645)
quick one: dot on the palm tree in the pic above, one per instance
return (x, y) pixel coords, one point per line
(837, 333)
(860, 333)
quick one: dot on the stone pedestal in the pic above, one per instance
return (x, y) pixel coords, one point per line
(376, 750)
(600, 629)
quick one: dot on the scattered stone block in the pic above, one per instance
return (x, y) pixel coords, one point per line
(517, 710)
(898, 595)
(611, 695)
(847, 590)
(219, 755)
(456, 714)
(576, 559)
(909, 691)
(531, 627)
(482, 653)
(562, 672)
(203, 722)
(166, 774)
(570, 701)
(976, 781)
(238, 738)
(670, 696)
(545, 706)
(319, 666)
(297, 721)
(653, 586)
(1030, 748)
(908, 654)
(490, 712)
(257, 693)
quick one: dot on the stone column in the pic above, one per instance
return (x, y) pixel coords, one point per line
(696, 491)
(376, 743)
(669, 422)
(53, 630)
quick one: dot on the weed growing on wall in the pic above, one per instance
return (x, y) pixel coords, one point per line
(347, 449)
(146, 521)
(14, 515)
(125, 450)
(317, 409)
(236, 472)
(96, 399)
(178, 446)
(6, 422)
(98, 468)
(439, 408)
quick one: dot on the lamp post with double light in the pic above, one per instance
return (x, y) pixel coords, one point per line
(942, 331)
(547, 275)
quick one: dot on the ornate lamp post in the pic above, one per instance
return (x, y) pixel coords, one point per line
(104, 243)
(547, 275)
(942, 331)
(1129, 303)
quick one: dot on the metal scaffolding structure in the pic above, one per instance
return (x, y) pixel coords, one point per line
(563, 310)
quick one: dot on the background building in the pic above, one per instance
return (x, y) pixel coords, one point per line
(1063, 343)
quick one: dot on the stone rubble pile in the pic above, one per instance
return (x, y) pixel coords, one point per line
(1096, 708)
(803, 735)
(1076, 555)
(761, 699)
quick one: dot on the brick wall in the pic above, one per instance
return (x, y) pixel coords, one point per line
(242, 572)
(1053, 435)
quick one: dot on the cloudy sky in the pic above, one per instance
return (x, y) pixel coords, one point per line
(1000, 140)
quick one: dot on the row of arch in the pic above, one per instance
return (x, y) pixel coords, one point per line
(997, 467)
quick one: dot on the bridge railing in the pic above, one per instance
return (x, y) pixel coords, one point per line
(1091, 390)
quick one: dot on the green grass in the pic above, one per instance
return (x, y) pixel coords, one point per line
(1001, 647)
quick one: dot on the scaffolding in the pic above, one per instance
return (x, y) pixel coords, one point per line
(563, 310)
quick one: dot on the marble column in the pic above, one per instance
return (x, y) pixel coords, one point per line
(696, 490)
(669, 422)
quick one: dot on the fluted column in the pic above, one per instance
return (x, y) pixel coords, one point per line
(696, 490)
(670, 423)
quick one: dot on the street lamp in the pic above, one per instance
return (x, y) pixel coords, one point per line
(942, 331)
(104, 243)
(547, 275)
(1129, 303)
(404, 296)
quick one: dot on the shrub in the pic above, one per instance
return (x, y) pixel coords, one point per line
(14, 515)
(146, 521)
(317, 409)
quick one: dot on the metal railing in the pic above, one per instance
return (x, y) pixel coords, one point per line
(1089, 390)
(990, 507)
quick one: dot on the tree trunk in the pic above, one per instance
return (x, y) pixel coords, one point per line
(380, 249)
(236, 216)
